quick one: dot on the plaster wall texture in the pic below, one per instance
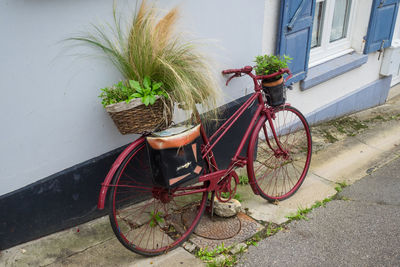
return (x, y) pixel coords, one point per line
(51, 116)
(270, 32)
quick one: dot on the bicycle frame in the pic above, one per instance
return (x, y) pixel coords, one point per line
(214, 175)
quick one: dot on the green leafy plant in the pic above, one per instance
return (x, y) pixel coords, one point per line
(155, 218)
(339, 186)
(338, 189)
(152, 47)
(242, 250)
(126, 91)
(272, 229)
(252, 243)
(301, 213)
(268, 64)
(237, 196)
(243, 179)
(210, 256)
(225, 194)
(205, 254)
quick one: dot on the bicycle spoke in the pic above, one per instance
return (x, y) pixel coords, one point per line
(145, 218)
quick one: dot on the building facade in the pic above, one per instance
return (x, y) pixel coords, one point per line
(57, 142)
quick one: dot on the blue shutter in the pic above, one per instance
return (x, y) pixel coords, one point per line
(294, 35)
(381, 25)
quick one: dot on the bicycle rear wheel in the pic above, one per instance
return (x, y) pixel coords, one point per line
(279, 171)
(148, 219)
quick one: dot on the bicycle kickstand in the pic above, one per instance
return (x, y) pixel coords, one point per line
(211, 206)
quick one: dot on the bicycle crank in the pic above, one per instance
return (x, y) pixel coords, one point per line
(226, 188)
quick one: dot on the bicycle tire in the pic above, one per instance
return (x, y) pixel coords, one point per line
(146, 219)
(276, 174)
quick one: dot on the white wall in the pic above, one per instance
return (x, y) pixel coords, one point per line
(396, 40)
(271, 19)
(51, 117)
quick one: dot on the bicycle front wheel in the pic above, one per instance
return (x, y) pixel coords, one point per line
(148, 219)
(278, 166)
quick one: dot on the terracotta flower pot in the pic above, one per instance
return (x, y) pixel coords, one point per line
(267, 83)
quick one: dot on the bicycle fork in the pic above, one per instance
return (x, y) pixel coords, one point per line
(279, 151)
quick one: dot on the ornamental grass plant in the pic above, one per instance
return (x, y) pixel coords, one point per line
(148, 45)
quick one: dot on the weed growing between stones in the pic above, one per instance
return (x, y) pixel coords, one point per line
(237, 196)
(340, 186)
(334, 130)
(381, 118)
(328, 136)
(220, 256)
(301, 213)
(228, 256)
(243, 179)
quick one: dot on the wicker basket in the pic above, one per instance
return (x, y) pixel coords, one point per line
(135, 117)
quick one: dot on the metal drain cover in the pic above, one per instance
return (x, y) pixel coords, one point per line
(218, 228)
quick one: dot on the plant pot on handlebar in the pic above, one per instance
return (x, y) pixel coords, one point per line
(274, 91)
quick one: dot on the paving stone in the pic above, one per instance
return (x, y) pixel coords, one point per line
(227, 209)
(219, 260)
(174, 258)
(370, 149)
(313, 189)
(190, 247)
(238, 247)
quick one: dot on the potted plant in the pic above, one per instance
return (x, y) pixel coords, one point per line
(273, 87)
(156, 60)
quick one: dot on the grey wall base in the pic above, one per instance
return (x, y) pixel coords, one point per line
(371, 95)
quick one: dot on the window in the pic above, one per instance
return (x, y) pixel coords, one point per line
(316, 31)
(317, 24)
(331, 30)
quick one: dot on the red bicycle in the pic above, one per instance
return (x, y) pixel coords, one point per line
(150, 219)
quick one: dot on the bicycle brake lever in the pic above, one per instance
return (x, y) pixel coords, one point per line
(233, 76)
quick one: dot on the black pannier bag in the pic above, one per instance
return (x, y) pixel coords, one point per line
(175, 156)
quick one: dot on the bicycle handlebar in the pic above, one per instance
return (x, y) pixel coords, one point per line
(246, 69)
(249, 69)
(279, 72)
